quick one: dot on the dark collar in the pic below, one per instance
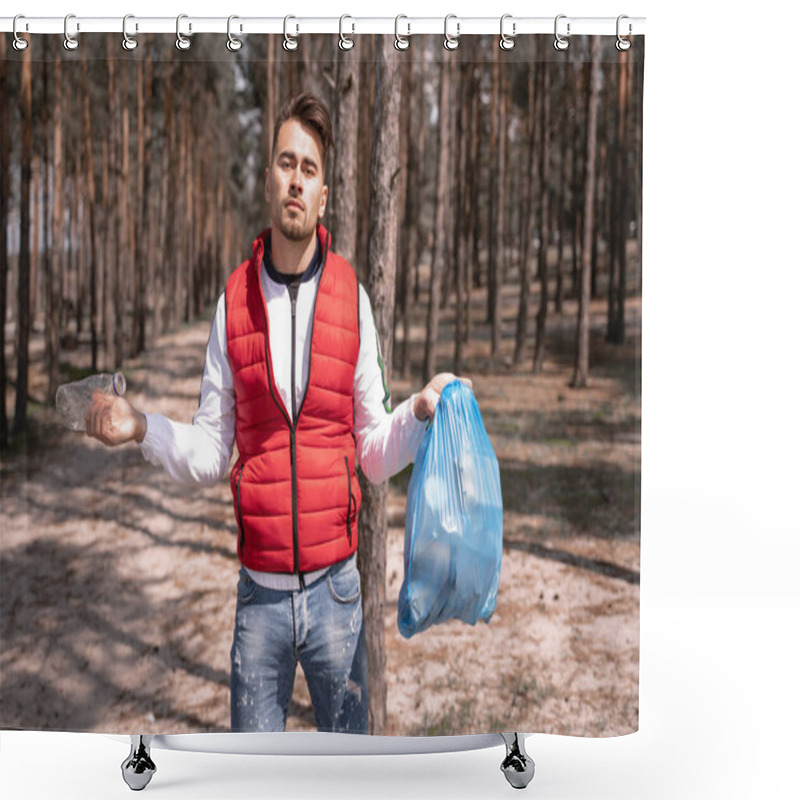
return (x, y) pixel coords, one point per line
(288, 279)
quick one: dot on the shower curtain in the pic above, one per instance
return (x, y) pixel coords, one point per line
(488, 201)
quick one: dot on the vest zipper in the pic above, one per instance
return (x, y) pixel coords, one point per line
(293, 437)
(238, 483)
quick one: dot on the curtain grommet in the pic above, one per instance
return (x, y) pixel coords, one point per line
(561, 43)
(233, 44)
(19, 43)
(623, 42)
(401, 42)
(289, 42)
(451, 42)
(70, 42)
(507, 41)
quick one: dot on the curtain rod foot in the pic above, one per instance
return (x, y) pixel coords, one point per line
(138, 768)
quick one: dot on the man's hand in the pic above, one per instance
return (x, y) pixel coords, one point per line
(426, 401)
(113, 420)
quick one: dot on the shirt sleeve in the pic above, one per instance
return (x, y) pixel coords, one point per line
(201, 451)
(386, 441)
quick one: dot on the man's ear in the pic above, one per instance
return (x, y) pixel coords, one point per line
(323, 202)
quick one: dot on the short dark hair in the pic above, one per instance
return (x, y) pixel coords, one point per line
(310, 111)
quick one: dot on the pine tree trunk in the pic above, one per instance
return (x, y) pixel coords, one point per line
(544, 207)
(24, 267)
(5, 182)
(415, 132)
(54, 290)
(384, 174)
(529, 217)
(344, 184)
(581, 376)
(91, 195)
(439, 230)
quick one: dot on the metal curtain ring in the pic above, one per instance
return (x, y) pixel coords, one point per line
(182, 43)
(451, 42)
(128, 42)
(507, 42)
(401, 42)
(344, 42)
(623, 43)
(19, 43)
(233, 44)
(561, 42)
(289, 42)
(70, 42)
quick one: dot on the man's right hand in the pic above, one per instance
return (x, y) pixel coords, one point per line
(114, 421)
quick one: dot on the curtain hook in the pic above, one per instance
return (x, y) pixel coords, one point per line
(622, 42)
(561, 42)
(182, 43)
(19, 43)
(289, 42)
(451, 42)
(507, 42)
(401, 42)
(70, 42)
(344, 42)
(128, 42)
(233, 44)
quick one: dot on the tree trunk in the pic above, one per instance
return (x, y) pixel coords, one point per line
(415, 132)
(344, 188)
(24, 267)
(619, 233)
(54, 286)
(529, 217)
(366, 115)
(5, 183)
(581, 376)
(384, 173)
(90, 187)
(439, 230)
(544, 215)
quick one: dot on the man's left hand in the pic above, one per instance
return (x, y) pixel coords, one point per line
(426, 401)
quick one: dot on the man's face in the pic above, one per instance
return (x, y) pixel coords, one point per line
(295, 187)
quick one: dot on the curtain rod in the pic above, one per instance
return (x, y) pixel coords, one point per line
(296, 26)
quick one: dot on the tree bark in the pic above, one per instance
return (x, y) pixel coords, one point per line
(544, 215)
(384, 174)
(529, 217)
(91, 196)
(439, 230)
(24, 267)
(581, 376)
(5, 183)
(344, 189)
(54, 285)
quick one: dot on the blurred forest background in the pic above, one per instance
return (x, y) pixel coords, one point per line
(490, 201)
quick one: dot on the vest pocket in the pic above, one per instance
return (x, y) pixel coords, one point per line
(351, 502)
(237, 483)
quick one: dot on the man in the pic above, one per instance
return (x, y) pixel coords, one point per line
(293, 374)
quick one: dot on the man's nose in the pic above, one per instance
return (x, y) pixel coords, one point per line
(296, 183)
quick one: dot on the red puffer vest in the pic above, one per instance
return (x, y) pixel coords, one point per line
(294, 487)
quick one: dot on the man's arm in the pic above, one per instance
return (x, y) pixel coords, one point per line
(195, 453)
(387, 441)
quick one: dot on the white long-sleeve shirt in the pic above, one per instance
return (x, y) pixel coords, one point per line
(200, 452)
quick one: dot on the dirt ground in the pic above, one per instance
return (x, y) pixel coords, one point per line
(118, 587)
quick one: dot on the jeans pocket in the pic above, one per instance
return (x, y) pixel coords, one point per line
(344, 582)
(246, 590)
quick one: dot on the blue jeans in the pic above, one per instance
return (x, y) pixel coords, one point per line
(321, 626)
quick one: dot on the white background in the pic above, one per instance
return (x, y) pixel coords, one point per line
(720, 609)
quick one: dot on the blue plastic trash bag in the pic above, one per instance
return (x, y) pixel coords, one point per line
(454, 520)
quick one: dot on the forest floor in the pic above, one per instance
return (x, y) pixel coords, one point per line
(118, 587)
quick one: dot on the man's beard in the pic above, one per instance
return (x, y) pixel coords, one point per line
(293, 229)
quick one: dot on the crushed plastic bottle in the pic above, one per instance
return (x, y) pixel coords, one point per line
(73, 399)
